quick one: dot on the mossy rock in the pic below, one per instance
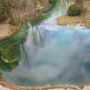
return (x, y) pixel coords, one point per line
(10, 53)
(9, 56)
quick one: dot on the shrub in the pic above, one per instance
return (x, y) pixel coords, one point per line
(4, 9)
(75, 10)
(9, 56)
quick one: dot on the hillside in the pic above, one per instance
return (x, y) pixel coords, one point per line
(21, 11)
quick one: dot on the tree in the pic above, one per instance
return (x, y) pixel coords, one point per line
(77, 8)
(5, 9)
(74, 10)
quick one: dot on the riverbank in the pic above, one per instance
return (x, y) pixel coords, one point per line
(4, 85)
(8, 86)
(83, 19)
(7, 30)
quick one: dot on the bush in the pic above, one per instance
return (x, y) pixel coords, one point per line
(75, 10)
(5, 9)
(9, 56)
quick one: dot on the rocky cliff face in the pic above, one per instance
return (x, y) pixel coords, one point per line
(26, 9)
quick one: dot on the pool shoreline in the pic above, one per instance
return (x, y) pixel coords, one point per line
(10, 86)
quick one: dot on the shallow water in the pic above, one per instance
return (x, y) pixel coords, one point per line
(53, 54)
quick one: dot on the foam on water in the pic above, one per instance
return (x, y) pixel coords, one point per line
(53, 54)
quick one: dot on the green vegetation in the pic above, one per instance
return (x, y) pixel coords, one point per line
(38, 19)
(53, 3)
(9, 56)
(7, 6)
(5, 12)
(75, 10)
(10, 50)
(77, 13)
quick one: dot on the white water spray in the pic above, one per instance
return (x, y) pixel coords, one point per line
(53, 54)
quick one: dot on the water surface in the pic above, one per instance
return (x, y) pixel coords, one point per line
(53, 54)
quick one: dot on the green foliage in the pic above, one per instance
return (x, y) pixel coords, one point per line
(9, 56)
(38, 20)
(75, 10)
(10, 50)
(5, 12)
(53, 3)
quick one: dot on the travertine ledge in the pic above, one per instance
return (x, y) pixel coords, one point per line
(83, 19)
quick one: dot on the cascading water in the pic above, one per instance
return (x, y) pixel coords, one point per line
(54, 54)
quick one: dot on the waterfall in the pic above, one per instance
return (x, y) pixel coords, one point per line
(36, 36)
(53, 54)
(34, 41)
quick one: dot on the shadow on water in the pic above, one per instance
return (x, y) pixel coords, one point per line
(52, 54)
